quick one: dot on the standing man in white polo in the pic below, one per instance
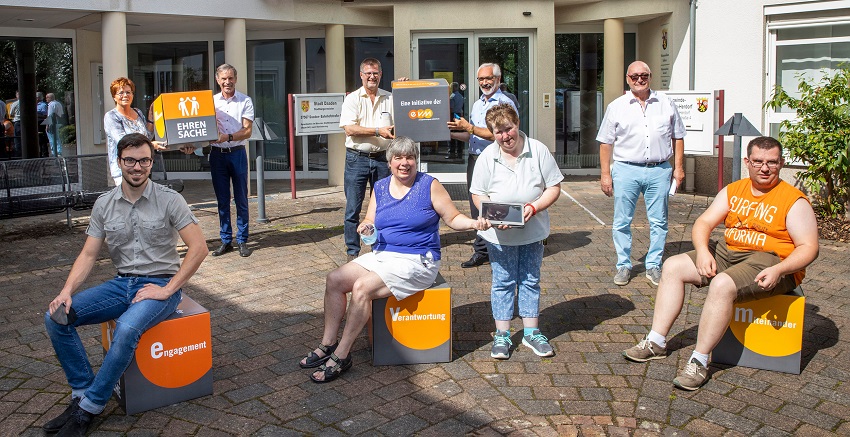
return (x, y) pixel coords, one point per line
(366, 118)
(234, 115)
(642, 129)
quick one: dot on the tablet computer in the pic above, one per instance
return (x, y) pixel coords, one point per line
(503, 213)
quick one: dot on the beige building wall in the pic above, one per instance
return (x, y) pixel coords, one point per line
(406, 18)
(649, 16)
(487, 16)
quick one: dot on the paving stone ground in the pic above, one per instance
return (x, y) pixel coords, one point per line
(267, 313)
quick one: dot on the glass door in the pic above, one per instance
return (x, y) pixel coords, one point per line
(450, 58)
(512, 55)
(456, 57)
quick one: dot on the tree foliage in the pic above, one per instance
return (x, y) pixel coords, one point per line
(568, 66)
(820, 136)
(54, 67)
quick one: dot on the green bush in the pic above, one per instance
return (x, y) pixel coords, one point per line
(820, 136)
(68, 134)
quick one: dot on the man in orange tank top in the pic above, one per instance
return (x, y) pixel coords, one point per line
(771, 236)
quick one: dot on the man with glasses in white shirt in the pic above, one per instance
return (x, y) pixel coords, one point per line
(641, 130)
(476, 133)
(367, 118)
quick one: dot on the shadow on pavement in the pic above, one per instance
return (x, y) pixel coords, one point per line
(473, 322)
(565, 242)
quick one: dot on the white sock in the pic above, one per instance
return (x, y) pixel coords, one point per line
(702, 358)
(657, 338)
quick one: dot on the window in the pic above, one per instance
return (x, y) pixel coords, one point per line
(803, 50)
(52, 60)
(579, 84)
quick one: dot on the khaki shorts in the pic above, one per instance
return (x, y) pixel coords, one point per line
(743, 267)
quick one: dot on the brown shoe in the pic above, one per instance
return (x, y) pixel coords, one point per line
(693, 376)
(645, 351)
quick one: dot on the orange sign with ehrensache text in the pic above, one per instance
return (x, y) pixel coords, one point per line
(185, 117)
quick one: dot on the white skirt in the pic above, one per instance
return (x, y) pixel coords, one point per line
(404, 274)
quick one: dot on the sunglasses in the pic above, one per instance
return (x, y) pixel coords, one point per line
(642, 76)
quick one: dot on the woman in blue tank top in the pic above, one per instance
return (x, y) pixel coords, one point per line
(405, 210)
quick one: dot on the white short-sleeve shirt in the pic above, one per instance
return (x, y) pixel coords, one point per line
(229, 114)
(358, 109)
(534, 171)
(638, 134)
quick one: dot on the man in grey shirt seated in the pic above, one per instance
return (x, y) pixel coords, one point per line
(140, 221)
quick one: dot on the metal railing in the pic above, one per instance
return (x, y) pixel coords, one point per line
(49, 185)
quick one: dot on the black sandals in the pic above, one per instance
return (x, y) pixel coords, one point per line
(335, 371)
(314, 360)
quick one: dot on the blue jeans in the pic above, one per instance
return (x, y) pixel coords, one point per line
(358, 171)
(516, 269)
(53, 138)
(224, 169)
(108, 301)
(630, 181)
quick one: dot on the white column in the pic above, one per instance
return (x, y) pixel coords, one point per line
(615, 72)
(114, 42)
(235, 52)
(235, 39)
(335, 83)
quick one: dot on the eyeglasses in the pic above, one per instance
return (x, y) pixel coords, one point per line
(124, 93)
(483, 78)
(370, 73)
(131, 162)
(759, 164)
(642, 76)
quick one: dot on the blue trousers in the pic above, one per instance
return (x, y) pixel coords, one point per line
(478, 244)
(359, 170)
(108, 301)
(53, 139)
(231, 169)
(516, 271)
(630, 181)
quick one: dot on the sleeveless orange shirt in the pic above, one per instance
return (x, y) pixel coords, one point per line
(757, 223)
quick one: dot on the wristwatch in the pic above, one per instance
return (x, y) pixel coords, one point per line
(471, 129)
(229, 137)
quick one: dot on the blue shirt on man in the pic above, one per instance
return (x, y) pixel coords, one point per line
(477, 117)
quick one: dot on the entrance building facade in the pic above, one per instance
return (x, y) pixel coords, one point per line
(564, 60)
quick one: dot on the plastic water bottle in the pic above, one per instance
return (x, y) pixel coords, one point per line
(369, 235)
